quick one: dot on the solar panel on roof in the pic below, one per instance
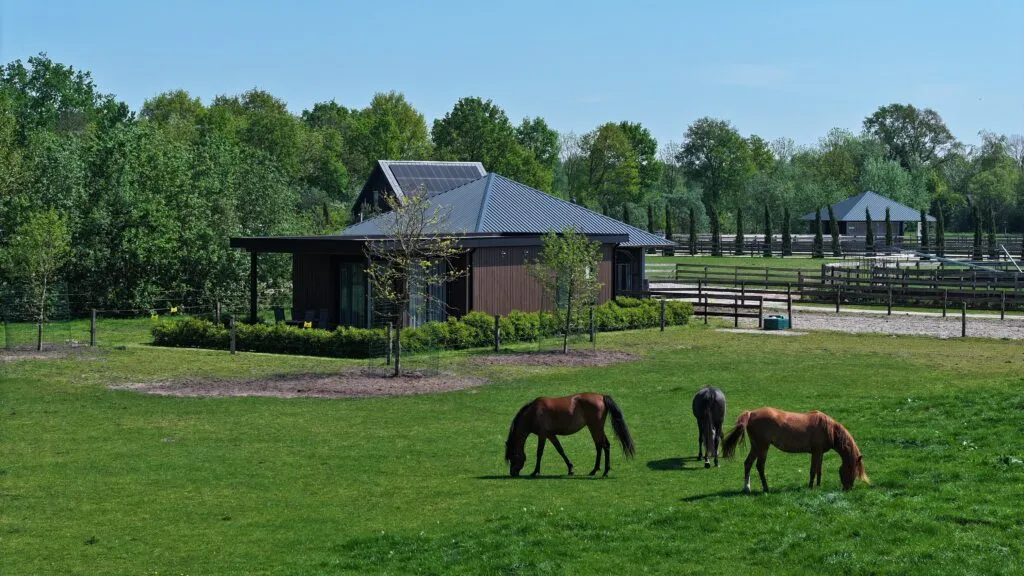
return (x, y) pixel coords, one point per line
(433, 178)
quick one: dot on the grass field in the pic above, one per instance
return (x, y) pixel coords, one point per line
(94, 481)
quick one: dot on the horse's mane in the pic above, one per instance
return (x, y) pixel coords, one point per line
(846, 446)
(509, 447)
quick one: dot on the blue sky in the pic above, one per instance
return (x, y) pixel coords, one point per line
(774, 68)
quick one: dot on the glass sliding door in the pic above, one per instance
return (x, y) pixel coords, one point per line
(352, 299)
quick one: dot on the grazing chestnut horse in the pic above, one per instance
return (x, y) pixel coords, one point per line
(813, 432)
(709, 408)
(552, 417)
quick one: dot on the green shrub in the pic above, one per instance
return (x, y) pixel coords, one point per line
(473, 330)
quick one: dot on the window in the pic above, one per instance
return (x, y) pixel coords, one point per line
(352, 297)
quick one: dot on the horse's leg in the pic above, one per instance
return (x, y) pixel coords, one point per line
(746, 469)
(820, 457)
(718, 440)
(597, 435)
(760, 467)
(558, 446)
(700, 440)
(540, 452)
(815, 468)
(607, 455)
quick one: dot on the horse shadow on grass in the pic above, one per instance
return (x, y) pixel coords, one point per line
(676, 464)
(529, 478)
(737, 493)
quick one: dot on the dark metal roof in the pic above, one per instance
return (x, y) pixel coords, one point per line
(853, 209)
(353, 245)
(434, 177)
(495, 204)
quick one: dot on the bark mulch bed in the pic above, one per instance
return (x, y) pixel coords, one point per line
(549, 358)
(351, 383)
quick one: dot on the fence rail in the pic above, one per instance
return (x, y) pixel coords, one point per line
(855, 246)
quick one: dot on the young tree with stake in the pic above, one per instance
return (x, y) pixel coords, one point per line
(409, 256)
(567, 266)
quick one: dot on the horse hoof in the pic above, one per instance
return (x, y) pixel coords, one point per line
(594, 471)
(707, 464)
(571, 473)
(746, 489)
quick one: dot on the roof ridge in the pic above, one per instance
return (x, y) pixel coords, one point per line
(484, 202)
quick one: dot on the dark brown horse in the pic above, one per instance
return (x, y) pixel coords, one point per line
(549, 418)
(709, 409)
(813, 432)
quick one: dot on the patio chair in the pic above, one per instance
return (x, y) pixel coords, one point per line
(278, 314)
(309, 318)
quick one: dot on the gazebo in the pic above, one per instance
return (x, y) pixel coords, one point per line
(850, 214)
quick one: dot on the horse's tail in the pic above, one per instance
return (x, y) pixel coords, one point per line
(708, 428)
(735, 436)
(619, 425)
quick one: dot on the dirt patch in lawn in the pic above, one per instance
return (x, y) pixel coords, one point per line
(573, 358)
(351, 383)
(17, 354)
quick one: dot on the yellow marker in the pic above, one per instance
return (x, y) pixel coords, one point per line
(174, 309)
(154, 316)
(307, 324)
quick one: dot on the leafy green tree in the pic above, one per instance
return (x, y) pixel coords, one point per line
(976, 253)
(888, 178)
(993, 243)
(668, 230)
(625, 214)
(888, 228)
(644, 153)
(717, 158)
(940, 232)
(925, 244)
(911, 136)
(479, 130)
(818, 247)
(767, 232)
(612, 172)
(567, 266)
(34, 257)
(787, 240)
(539, 139)
(833, 226)
(869, 239)
(49, 96)
(692, 232)
(739, 232)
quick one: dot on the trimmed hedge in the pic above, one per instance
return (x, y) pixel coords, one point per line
(473, 330)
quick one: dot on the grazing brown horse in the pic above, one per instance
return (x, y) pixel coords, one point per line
(709, 409)
(552, 417)
(813, 432)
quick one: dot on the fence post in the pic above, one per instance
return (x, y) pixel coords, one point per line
(593, 325)
(92, 328)
(39, 341)
(963, 319)
(945, 300)
(497, 332)
(760, 311)
(735, 312)
(388, 347)
(789, 304)
(232, 333)
(839, 296)
(705, 309)
(1002, 306)
(662, 313)
(889, 311)
(743, 290)
(700, 288)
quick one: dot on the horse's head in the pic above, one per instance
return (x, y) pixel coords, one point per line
(514, 454)
(516, 461)
(852, 469)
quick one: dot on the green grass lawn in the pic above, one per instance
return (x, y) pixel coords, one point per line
(94, 481)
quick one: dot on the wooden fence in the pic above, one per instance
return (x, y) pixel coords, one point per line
(928, 286)
(956, 246)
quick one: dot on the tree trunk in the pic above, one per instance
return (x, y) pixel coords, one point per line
(398, 341)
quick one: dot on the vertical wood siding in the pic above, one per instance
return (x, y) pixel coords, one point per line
(501, 282)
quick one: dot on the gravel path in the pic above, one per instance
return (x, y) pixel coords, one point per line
(903, 323)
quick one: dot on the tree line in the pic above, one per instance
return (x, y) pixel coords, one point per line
(148, 199)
